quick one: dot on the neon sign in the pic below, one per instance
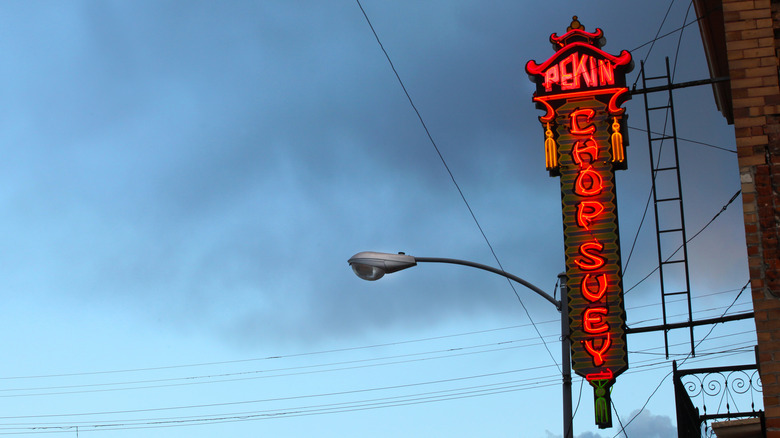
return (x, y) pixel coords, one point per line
(581, 89)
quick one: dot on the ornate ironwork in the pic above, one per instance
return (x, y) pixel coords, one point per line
(722, 393)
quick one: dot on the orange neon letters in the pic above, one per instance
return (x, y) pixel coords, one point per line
(577, 117)
(551, 76)
(591, 257)
(567, 77)
(593, 320)
(581, 71)
(606, 374)
(590, 294)
(606, 72)
(587, 212)
(588, 182)
(585, 152)
(597, 354)
(577, 70)
(580, 90)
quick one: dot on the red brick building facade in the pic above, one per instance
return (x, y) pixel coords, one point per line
(741, 40)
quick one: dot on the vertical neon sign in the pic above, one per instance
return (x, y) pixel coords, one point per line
(581, 89)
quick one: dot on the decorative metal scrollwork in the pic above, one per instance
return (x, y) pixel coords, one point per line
(724, 392)
(705, 396)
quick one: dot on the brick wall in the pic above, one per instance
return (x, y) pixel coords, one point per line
(752, 45)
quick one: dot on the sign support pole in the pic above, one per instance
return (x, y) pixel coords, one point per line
(568, 431)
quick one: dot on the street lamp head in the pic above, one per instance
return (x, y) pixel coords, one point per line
(372, 266)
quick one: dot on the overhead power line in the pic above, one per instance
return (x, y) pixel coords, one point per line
(287, 372)
(688, 140)
(687, 357)
(672, 32)
(652, 42)
(688, 241)
(324, 352)
(257, 374)
(306, 410)
(269, 358)
(452, 177)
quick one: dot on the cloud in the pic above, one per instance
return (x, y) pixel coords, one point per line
(187, 163)
(190, 175)
(582, 435)
(647, 425)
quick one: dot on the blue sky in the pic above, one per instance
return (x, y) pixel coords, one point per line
(183, 182)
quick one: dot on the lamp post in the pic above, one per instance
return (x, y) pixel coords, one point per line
(372, 266)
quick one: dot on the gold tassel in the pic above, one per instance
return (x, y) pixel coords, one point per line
(550, 150)
(618, 153)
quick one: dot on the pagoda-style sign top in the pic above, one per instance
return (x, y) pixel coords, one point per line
(579, 64)
(595, 39)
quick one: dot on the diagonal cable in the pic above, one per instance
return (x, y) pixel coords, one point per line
(652, 43)
(733, 198)
(452, 177)
(623, 428)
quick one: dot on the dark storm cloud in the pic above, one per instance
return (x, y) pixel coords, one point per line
(215, 165)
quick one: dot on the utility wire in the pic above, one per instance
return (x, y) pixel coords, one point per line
(270, 358)
(517, 385)
(668, 33)
(677, 300)
(742, 346)
(623, 427)
(328, 408)
(653, 176)
(289, 412)
(256, 375)
(339, 350)
(325, 367)
(666, 117)
(288, 356)
(452, 177)
(688, 241)
(308, 396)
(300, 370)
(683, 361)
(525, 370)
(652, 42)
(688, 140)
(679, 40)
(638, 229)
(542, 381)
(462, 195)
(264, 374)
(614, 408)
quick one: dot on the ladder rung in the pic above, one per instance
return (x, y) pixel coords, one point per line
(666, 168)
(671, 230)
(665, 137)
(669, 262)
(667, 200)
(656, 77)
(659, 108)
(666, 294)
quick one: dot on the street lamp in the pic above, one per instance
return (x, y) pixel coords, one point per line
(372, 266)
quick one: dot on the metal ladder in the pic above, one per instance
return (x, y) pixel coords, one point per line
(668, 203)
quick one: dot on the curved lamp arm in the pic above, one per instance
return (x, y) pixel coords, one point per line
(371, 266)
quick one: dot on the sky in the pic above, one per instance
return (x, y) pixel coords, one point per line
(182, 183)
